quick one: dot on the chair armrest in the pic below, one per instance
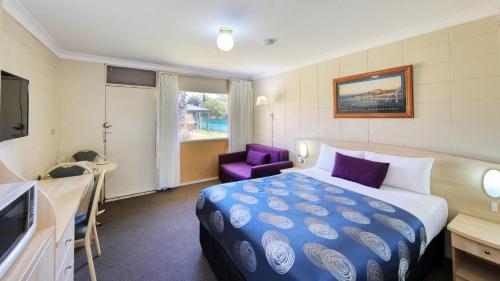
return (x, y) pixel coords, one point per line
(270, 169)
(232, 157)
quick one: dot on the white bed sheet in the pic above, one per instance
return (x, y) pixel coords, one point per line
(431, 210)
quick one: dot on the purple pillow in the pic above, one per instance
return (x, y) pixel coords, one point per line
(256, 158)
(365, 172)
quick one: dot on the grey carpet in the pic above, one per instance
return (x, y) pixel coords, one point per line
(152, 237)
(155, 238)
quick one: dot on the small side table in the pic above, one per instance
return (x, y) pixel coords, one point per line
(107, 167)
(475, 248)
(292, 169)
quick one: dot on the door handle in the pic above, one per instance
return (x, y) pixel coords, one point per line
(107, 125)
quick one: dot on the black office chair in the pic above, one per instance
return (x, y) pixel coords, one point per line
(85, 226)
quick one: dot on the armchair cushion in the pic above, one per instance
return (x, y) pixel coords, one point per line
(80, 230)
(235, 166)
(85, 155)
(270, 169)
(275, 154)
(232, 157)
(81, 219)
(63, 172)
(237, 170)
(255, 158)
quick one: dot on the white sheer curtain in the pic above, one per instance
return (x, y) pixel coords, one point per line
(240, 114)
(167, 139)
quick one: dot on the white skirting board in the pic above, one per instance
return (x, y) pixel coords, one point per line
(129, 196)
(198, 181)
(153, 191)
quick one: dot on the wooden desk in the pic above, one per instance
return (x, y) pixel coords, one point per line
(108, 166)
(97, 168)
(475, 248)
(65, 194)
(36, 262)
(49, 255)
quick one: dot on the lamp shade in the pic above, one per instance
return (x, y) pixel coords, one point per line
(225, 40)
(303, 151)
(261, 100)
(491, 183)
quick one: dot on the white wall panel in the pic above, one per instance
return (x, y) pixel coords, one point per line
(456, 94)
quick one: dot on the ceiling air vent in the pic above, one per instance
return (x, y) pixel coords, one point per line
(130, 76)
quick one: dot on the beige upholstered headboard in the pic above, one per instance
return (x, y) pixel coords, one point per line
(457, 179)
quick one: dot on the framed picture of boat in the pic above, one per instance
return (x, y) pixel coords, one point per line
(380, 94)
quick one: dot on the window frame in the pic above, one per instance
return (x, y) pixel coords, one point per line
(207, 139)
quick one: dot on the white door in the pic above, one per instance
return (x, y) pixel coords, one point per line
(131, 140)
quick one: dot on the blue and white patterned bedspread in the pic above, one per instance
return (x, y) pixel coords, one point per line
(294, 227)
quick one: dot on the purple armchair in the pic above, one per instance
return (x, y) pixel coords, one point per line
(233, 166)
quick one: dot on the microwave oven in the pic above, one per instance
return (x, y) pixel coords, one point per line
(18, 205)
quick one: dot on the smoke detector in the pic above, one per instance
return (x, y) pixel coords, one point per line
(270, 41)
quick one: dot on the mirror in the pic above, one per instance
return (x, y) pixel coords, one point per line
(491, 183)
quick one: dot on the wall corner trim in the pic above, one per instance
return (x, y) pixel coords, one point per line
(486, 10)
(16, 10)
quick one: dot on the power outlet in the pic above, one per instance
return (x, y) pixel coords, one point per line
(494, 207)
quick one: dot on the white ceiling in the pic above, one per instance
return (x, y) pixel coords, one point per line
(183, 32)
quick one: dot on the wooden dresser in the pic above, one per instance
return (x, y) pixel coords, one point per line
(66, 194)
(475, 249)
(49, 255)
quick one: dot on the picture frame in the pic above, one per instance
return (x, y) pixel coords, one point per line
(385, 93)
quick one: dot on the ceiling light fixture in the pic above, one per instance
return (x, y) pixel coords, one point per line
(225, 41)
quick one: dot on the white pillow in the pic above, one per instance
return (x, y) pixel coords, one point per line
(413, 174)
(326, 158)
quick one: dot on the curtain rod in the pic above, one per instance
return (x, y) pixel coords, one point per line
(205, 76)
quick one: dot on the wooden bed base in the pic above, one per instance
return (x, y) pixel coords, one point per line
(225, 270)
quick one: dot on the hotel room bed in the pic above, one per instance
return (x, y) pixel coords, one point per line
(310, 226)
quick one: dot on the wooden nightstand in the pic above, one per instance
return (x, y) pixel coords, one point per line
(292, 169)
(475, 249)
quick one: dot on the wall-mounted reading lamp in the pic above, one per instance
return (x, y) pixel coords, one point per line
(303, 152)
(491, 183)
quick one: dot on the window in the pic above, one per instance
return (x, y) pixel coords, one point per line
(202, 116)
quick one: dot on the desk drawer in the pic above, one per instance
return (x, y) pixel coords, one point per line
(66, 270)
(67, 242)
(475, 248)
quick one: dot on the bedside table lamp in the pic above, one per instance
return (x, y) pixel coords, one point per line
(491, 183)
(262, 101)
(303, 151)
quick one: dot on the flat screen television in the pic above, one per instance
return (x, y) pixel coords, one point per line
(13, 107)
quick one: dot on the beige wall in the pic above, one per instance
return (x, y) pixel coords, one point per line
(457, 95)
(82, 100)
(199, 159)
(23, 55)
(82, 106)
(201, 84)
